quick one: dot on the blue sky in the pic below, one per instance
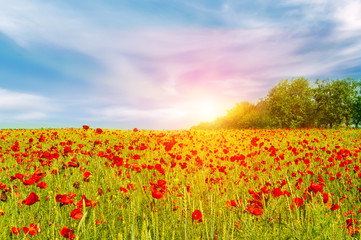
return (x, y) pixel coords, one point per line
(163, 64)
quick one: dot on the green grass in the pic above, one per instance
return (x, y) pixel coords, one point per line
(210, 180)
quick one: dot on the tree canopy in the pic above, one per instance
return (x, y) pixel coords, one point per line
(298, 103)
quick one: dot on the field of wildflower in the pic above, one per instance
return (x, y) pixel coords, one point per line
(189, 184)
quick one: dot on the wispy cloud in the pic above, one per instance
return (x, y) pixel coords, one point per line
(30, 116)
(10, 100)
(23, 106)
(349, 17)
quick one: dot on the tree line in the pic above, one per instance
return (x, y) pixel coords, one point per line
(298, 103)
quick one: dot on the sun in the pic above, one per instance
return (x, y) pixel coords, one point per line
(208, 111)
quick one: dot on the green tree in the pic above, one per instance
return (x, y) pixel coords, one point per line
(334, 101)
(356, 106)
(240, 115)
(261, 117)
(290, 104)
(294, 104)
(356, 111)
(244, 115)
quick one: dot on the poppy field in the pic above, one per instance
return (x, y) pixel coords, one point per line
(189, 184)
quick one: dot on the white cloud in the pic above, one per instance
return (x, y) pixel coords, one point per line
(349, 17)
(263, 46)
(15, 101)
(23, 106)
(30, 116)
(344, 14)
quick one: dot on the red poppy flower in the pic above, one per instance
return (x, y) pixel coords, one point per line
(277, 192)
(265, 190)
(63, 199)
(36, 178)
(88, 203)
(67, 233)
(86, 175)
(335, 207)
(98, 131)
(352, 229)
(32, 229)
(131, 186)
(169, 145)
(100, 192)
(316, 187)
(161, 182)
(325, 198)
(15, 230)
(76, 213)
(298, 201)
(123, 190)
(30, 181)
(71, 195)
(233, 203)
(157, 194)
(85, 127)
(197, 215)
(356, 169)
(286, 193)
(31, 199)
(73, 164)
(99, 222)
(15, 147)
(19, 176)
(255, 211)
(42, 185)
